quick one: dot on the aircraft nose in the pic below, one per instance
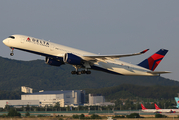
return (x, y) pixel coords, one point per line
(5, 41)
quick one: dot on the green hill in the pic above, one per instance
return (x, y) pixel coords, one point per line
(127, 91)
(38, 75)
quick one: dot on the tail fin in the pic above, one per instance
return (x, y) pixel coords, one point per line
(153, 61)
(177, 101)
(156, 107)
(143, 107)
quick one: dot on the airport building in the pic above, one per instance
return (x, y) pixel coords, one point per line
(26, 89)
(98, 100)
(93, 100)
(50, 98)
(65, 98)
(18, 103)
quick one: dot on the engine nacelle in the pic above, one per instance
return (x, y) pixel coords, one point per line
(72, 59)
(53, 62)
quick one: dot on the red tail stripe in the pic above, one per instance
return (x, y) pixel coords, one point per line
(156, 107)
(152, 59)
(143, 108)
(156, 64)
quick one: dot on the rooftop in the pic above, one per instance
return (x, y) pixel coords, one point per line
(52, 92)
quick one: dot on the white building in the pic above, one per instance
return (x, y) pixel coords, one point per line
(66, 97)
(26, 89)
(93, 100)
(18, 103)
(98, 100)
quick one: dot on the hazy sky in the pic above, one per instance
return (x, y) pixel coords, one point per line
(98, 26)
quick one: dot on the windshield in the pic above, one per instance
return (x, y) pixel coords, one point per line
(12, 37)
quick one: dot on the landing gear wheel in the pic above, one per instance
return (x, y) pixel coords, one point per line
(88, 72)
(73, 72)
(83, 72)
(11, 54)
(78, 73)
(12, 49)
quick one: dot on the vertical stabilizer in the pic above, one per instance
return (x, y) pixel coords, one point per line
(177, 101)
(153, 61)
(156, 107)
(143, 107)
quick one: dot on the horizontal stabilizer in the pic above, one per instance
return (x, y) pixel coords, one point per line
(158, 72)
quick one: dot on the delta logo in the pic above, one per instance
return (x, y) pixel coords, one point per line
(39, 42)
(28, 39)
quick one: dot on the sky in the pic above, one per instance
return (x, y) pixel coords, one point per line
(98, 26)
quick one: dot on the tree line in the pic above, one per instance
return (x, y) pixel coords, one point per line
(40, 76)
(125, 91)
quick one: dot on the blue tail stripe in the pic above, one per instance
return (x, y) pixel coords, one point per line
(144, 64)
(155, 62)
(162, 52)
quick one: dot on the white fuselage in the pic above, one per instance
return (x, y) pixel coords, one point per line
(47, 48)
(175, 110)
(161, 110)
(164, 110)
(150, 110)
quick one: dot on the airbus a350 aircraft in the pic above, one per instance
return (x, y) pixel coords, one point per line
(57, 55)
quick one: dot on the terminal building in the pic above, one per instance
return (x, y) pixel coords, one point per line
(65, 98)
(50, 98)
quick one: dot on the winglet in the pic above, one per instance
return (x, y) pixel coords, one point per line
(144, 51)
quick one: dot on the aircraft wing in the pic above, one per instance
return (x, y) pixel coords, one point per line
(105, 57)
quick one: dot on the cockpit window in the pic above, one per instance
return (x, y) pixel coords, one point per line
(12, 37)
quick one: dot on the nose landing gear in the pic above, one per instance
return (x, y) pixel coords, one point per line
(12, 52)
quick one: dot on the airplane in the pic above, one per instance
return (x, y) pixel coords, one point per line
(164, 110)
(57, 55)
(177, 101)
(148, 110)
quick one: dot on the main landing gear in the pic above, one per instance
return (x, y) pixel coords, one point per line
(12, 53)
(80, 72)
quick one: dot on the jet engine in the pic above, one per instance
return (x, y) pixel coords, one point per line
(72, 59)
(53, 62)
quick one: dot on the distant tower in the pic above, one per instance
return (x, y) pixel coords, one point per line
(26, 89)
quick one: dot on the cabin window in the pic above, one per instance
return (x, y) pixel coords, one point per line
(12, 37)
